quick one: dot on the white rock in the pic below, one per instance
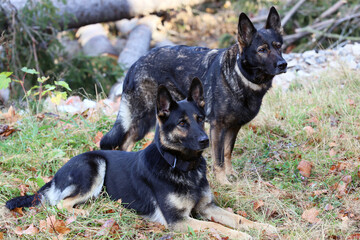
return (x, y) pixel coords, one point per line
(308, 54)
(88, 104)
(356, 49)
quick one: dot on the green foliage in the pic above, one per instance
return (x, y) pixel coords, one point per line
(92, 73)
(31, 40)
(4, 79)
(35, 91)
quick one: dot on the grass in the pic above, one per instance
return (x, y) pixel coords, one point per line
(266, 156)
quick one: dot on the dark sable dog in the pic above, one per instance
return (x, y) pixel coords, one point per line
(235, 80)
(165, 182)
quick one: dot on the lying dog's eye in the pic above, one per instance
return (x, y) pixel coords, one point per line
(262, 50)
(200, 119)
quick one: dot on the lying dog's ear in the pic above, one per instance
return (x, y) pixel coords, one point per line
(196, 92)
(273, 21)
(164, 102)
(246, 30)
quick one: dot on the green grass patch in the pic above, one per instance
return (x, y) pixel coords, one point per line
(266, 156)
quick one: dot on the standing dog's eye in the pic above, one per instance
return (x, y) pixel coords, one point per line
(277, 45)
(182, 123)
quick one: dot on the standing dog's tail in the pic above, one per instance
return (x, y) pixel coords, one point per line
(29, 200)
(114, 138)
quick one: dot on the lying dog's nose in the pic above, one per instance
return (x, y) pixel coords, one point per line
(204, 141)
(282, 65)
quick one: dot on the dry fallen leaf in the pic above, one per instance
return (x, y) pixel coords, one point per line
(304, 168)
(10, 116)
(258, 204)
(97, 138)
(54, 225)
(106, 227)
(328, 207)
(341, 187)
(355, 236)
(309, 130)
(70, 220)
(6, 130)
(242, 213)
(310, 215)
(332, 152)
(31, 230)
(319, 192)
(146, 144)
(351, 102)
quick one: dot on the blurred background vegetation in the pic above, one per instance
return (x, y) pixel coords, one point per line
(34, 39)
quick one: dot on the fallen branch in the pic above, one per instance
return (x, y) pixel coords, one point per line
(332, 9)
(291, 12)
(331, 35)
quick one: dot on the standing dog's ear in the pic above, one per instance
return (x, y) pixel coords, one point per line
(164, 102)
(273, 21)
(246, 31)
(196, 92)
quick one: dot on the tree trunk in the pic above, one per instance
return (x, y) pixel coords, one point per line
(84, 12)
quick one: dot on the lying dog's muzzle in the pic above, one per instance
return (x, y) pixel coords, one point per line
(281, 66)
(203, 142)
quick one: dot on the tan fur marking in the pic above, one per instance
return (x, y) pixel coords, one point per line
(199, 225)
(181, 202)
(233, 220)
(220, 175)
(69, 204)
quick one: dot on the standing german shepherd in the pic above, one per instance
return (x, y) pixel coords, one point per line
(235, 80)
(165, 182)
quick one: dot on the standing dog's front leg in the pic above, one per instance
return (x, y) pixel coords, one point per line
(229, 142)
(217, 214)
(217, 138)
(199, 225)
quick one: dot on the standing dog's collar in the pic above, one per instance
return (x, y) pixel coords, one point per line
(174, 161)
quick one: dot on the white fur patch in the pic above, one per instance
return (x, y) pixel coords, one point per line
(158, 216)
(246, 82)
(124, 114)
(53, 195)
(99, 180)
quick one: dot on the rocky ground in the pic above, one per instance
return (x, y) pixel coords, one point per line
(302, 66)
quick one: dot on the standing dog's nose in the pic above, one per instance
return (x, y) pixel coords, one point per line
(281, 65)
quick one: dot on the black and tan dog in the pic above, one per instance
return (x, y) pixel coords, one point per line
(164, 182)
(235, 80)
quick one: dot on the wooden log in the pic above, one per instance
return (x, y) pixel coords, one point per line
(94, 41)
(79, 13)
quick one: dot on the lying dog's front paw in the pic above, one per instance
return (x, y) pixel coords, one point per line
(233, 234)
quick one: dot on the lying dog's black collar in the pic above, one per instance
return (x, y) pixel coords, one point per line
(176, 162)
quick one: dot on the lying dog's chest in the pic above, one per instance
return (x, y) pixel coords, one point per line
(182, 203)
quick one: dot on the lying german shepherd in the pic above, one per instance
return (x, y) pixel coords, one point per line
(235, 80)
(165, 182)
